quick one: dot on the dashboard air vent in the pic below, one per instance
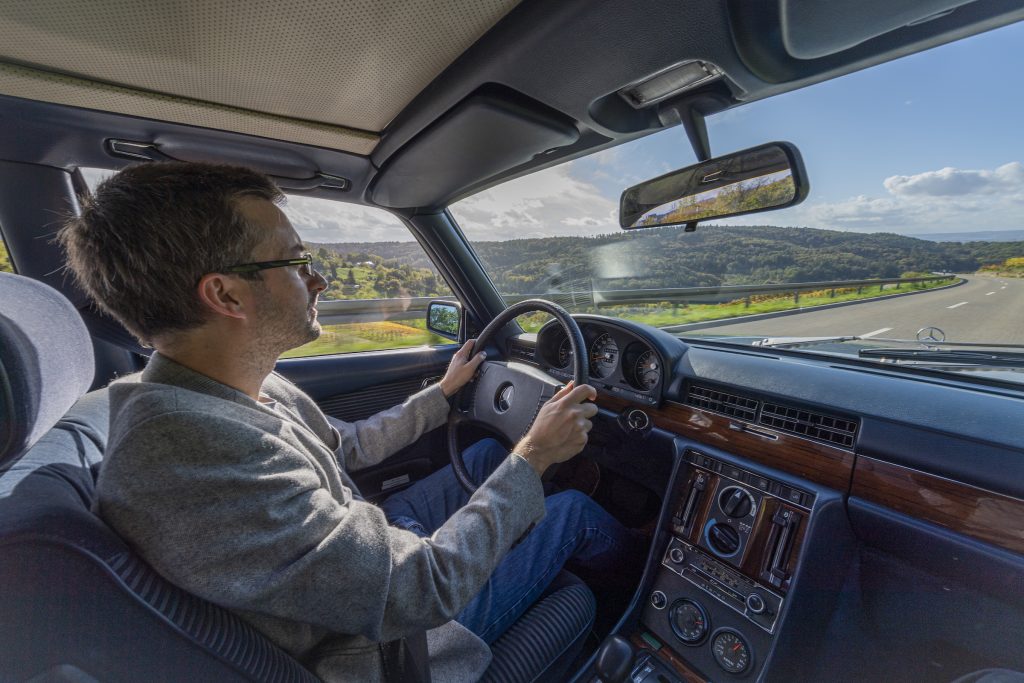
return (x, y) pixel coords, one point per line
(721, 402)
(829, 429)
(521, 350)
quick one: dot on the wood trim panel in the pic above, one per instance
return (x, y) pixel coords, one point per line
(820, 463)
(666, 653)
(987, 516)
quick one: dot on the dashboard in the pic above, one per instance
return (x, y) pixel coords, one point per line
(624, 361)
(786, 470)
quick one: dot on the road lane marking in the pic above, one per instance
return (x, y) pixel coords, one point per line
(990, 294)
(962, 303)
(872, 334)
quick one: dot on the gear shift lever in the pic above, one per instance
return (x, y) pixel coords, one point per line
(614, 660)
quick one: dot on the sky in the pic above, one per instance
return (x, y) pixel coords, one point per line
(927, 144)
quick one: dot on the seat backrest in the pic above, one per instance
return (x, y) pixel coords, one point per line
(46, 361)
(76, 603)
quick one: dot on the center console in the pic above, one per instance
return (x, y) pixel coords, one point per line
(720, 593)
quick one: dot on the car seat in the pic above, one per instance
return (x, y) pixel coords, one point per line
(76, 604)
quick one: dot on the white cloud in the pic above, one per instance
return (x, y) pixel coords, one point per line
(544, 204)
(952, 182)
(321, 220)
(948, 199)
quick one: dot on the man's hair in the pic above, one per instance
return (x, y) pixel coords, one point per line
(149, 233)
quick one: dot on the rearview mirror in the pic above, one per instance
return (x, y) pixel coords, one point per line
(761, 178)
(444, 318)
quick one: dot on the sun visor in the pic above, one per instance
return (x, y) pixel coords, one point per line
(813, 29)
(484, 135)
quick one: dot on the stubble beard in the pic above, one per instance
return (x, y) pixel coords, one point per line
(283, 330)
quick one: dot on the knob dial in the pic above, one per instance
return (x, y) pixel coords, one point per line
(755, 603)
(676, 555)
(735, 502)
(658, 600)
(723, 538)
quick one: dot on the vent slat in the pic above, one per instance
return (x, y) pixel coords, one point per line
(521, 351)
(826, 428)
(829, 429)
(722, 402)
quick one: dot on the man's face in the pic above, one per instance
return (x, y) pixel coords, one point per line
(285, 298)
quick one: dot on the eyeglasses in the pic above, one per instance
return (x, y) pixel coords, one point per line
(305, 260)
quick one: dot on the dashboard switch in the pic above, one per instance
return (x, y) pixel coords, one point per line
(658, 600)
(638, 420)
(676, 555)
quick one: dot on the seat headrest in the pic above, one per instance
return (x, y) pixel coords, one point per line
(46, 361)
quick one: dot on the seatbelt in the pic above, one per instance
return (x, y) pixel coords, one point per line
(406, 660)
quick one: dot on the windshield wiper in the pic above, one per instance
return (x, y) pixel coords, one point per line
(794, 342)
(991, 358)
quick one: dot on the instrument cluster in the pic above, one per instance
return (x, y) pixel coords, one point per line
(618, 361)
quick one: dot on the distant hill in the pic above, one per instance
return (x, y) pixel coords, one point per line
(711, 256)
(982, 236)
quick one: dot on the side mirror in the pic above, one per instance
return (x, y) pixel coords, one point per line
(767, 177)
(444, 318)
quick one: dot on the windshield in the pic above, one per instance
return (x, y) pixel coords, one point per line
(915, 220)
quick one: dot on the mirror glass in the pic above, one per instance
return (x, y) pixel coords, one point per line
(757, 179)
(443, 318)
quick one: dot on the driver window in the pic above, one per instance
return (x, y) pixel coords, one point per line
(5, 259)
(380, 279)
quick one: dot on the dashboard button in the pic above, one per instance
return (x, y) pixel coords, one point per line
(758, 482)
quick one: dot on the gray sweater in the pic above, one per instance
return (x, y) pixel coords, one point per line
(246, 505)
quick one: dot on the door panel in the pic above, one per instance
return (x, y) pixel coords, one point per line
(354, 386)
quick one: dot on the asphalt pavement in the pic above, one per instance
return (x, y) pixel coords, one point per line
(983, 309)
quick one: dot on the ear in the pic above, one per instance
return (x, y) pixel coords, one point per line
(224, 295)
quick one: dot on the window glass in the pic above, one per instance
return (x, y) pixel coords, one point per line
(5, 259)
(914, 224)
(379, 277)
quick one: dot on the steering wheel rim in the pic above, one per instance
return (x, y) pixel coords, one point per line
(507, 377)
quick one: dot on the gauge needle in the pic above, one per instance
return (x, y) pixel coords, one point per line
(736, 647)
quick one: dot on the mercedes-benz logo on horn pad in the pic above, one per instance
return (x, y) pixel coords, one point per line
(503, 400)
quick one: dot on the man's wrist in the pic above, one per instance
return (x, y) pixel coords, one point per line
(531, 454)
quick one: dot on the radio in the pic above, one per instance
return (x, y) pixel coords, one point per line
(756, 603)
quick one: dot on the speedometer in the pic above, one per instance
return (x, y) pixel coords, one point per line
(604, 356)
(647, 370)
(565, 353)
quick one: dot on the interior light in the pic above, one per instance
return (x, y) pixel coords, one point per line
(671, 81)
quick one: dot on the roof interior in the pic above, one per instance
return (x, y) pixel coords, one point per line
(557, 61)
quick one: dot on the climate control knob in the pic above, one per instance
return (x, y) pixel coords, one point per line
(723, 538)
(735, 502)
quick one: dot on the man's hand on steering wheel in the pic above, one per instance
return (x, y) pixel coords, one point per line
(560, 430)
(461, 369)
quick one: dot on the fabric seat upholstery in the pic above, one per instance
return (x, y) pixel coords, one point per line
(77, 604)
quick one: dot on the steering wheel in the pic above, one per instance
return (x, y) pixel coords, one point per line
(507, 397)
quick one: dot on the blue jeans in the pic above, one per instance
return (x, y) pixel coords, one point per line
(574, 528)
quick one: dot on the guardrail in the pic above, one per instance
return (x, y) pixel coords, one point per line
(370, 310)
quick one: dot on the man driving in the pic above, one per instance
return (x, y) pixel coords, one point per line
(231, 482)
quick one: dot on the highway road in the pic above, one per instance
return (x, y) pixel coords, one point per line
(984, 309)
